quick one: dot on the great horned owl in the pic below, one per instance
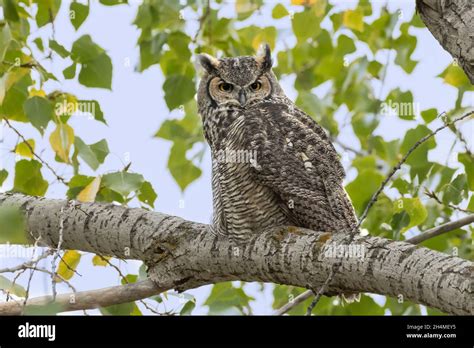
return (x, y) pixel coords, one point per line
(272, 164)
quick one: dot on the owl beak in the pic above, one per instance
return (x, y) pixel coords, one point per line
(242, 97)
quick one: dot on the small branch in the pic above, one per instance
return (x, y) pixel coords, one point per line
(436, 231)
(60, 178)
(433, 195)
(403, 160)
(90, 299)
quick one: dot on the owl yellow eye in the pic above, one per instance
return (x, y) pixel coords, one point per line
(225, 87)
(256, 86)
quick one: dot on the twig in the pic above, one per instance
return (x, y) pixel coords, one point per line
(403, 160)
(202, 19)
(436, 231)
(61, 179)
(433, 195)
(124, 278)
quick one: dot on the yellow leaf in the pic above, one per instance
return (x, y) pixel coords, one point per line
(264, 36)
(34, 92)
(303, 2)
(99, 261)
(455, 76)
(68, 265)
(61, 141)
(353, 19)
(244, 6)
(89, 192)
(23, 149)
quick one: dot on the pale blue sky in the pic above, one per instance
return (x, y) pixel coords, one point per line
(135, 108)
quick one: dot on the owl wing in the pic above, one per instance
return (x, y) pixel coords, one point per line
(296, 159)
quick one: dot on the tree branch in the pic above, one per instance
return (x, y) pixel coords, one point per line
(436, 231)
(450, 22)
(183, 255)
(87, 299)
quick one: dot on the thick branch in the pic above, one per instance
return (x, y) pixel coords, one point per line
(183, 255)
(452, 23)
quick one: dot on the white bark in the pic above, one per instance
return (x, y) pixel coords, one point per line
(181, 254)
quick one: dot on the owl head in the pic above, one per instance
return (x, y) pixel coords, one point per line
(238, 81)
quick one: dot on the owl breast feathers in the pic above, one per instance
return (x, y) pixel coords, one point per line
(272, 163)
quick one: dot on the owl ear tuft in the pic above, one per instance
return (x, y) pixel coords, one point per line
(208, 63)
(264, 57)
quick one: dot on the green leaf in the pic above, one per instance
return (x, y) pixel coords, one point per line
(122, 182)
(279, 11)
(305, 25)
(455, 191)
(113, 2)
(354, 19)
(47, 11)
(93, 107)
(363, 187)
(97, 72)
(9, 11)
(418, 159)
(94, 154)
(151, 50)
(245, 8)
(129, 279)
(12, 226)
(147, 194)
(77, 184)
(85, 50)
(468, 161)
(225, 298)
(129, 308)
(401, 103)
(3, 176)
(56, 47)
(5, 39)
(78, 13)
(14, 289)
(429, 115)
(24, 148)
(414, 208)
(96, 69)
(183, 170)
(178, 90)
(188, 308)
(453, 75)
(28, 178)
(39, 111)
(39, 43)
(70, 71)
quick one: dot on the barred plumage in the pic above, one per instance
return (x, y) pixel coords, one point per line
(291, 175)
